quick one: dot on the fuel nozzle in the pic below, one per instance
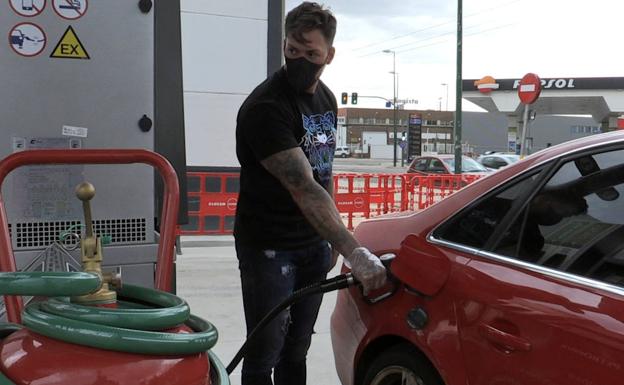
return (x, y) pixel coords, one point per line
(386, 260)
(91, 254)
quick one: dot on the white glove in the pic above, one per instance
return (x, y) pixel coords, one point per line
(367, 269)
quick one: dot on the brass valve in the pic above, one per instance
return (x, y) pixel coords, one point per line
(91, 254)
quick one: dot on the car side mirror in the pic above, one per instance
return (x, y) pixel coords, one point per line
(421, 266)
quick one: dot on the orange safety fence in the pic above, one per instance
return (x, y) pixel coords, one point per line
(352, 196)
(422, 191)
(212, 200)
(212, 197)
(386, 193)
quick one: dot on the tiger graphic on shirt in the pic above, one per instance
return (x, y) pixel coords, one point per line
(319, 143)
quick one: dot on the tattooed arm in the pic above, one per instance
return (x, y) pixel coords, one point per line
(293, 170)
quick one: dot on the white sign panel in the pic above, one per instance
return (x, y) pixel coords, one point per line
(47, 192)
(80, 132)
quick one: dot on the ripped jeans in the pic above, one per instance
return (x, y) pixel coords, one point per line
(268, 277)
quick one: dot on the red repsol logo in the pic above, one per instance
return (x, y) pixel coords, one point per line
(357, 202)
(551, 83)
(230, 203)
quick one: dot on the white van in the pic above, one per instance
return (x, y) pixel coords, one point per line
(342, 152)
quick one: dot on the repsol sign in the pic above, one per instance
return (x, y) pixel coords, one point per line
(551, 83)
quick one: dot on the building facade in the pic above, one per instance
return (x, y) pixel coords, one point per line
(365, 130)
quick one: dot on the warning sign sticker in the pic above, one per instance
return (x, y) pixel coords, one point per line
(70, 9)
(70, 47)
(27, 39)
(27, 8)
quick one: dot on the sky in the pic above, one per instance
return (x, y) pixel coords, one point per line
(501, 38)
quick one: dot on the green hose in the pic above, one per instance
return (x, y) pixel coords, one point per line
(131, 328)
(49, 284)
(172, 310)
(98, 327)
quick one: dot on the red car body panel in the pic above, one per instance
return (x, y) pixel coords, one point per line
(490, 322)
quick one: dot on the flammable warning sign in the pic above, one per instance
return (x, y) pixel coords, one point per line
(70, 47)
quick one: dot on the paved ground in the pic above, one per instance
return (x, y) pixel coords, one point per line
(208, 278)
(381, 166)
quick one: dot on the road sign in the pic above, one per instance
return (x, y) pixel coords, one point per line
(530, 88)
(27, 39)
(27, 8)
(70, 9)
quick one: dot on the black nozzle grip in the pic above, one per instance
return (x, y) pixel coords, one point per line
(386, 260)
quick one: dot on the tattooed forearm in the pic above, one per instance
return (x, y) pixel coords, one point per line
(293, 170)
(290, 167)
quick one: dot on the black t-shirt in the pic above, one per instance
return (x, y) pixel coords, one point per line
(275, 118)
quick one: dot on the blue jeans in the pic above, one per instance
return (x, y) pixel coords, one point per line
(268, 277)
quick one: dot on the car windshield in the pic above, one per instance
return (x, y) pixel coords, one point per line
(468, 165)
(511, 158)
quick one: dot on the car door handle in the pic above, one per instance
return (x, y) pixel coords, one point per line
(508, 341)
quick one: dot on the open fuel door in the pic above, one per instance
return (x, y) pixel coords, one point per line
(421, 266)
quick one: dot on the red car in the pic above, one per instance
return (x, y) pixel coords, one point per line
(445, 164)
(517, 279)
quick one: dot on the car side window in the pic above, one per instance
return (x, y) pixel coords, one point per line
(488, 162)
(499, 162)
(436, 166)
(474, 226)
(575, 223)
(421, 164)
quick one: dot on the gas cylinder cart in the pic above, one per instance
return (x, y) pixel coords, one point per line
(88, 327)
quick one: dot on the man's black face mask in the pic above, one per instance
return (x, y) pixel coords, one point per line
(301, 73)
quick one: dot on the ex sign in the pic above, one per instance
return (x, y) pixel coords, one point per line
(530, 88)
(70, 47)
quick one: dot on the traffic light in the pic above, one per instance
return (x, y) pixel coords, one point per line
(345, 98)
(354, 98)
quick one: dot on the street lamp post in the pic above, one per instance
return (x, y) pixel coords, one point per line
(394, 102)
(446, 85)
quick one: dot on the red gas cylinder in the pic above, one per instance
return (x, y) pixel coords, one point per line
(70, 338)
(30, 358)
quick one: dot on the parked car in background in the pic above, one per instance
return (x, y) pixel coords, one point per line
(495, 160)
(518, 278)
(342, 152)
(444, 164)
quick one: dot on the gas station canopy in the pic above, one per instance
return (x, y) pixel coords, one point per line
(602, 98)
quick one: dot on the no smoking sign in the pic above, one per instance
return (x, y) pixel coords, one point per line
(70, 9)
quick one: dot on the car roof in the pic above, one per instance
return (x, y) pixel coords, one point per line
(576, 145)
(448, 156)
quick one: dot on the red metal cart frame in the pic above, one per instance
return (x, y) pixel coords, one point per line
(169, 213)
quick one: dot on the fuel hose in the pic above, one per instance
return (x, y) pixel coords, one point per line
(134, 327)
(336, 283)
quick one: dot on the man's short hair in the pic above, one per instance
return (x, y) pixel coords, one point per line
(309, 16)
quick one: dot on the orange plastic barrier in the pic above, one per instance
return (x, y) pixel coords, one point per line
(352, 196)
(212, 197)
(386, 193)
(421, 191)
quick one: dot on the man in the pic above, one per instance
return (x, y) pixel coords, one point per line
(285, 141)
